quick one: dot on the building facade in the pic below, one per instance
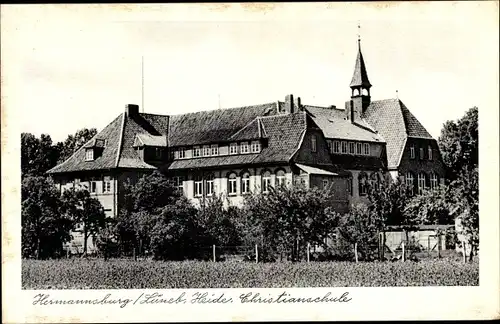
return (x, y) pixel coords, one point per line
(233, 152)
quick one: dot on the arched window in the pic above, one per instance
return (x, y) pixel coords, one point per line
(421, 183)
(280, 178)
(209, 184)
(434, 180)
(266, 181)
(198, 186)
(231, 185)
(375, 181)
(409, 182)
(362, 182)
(245, 183)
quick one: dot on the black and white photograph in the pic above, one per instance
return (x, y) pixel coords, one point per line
(225, 155)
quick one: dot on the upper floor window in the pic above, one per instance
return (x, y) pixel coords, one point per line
(434, 180)
(233, 148)
(256, 147)
(182, 153)
(244, 148)
(344, 147)
(196, 151)
(313, 143)
(366, 148)
(280, 178)
(245, 183)
(429, 152)
(209, 183)
(89, 155)
(336, 147)
(106, 185)
(206, 150)
(421, 183)
(214, 149)
(198, 186)
(231, 187)
(409, 182)
(359, 148)
(266, 182)
(421, 153)
(352, 148)
(330, 146)
(412, 152)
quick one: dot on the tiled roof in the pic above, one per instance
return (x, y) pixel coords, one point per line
(395, 123)
(360, 76)
(334, 125)
(211, 126)
(254, 130)
(142, 139)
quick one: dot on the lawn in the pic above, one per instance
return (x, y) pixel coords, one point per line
(126, 273)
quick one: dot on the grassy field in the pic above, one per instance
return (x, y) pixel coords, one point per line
(124, 273)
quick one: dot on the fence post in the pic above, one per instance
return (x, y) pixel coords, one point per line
(213, 252)
(439, 246)
(464, 254)
(403, 255)
(308, 251)
(356, 252)
(256, 253)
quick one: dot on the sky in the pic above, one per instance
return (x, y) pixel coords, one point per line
(66, 67)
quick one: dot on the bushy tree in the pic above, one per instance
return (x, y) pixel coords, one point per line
(287, 218)
(44, 227)
(430, 207)
(219, 223)
(37, 155)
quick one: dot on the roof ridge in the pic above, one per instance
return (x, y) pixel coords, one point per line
(302, 136)
(221, 109)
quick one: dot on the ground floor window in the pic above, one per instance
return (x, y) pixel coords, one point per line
(232, 184)
(245, 183)
(198, 186)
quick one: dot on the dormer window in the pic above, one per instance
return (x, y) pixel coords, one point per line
(233, 148)
(256, 147)
(206, 150)
(244, 148)
(196, 151)
(182, 153)
(89, 154)
(214, 149)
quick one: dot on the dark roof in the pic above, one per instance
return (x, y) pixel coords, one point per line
(395, 123)
(254, 130)
(334, 125)
(360, 76)
(211, 126)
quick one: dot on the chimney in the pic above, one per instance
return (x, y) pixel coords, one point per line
(289, 104)
(131, 110)
(298, 104)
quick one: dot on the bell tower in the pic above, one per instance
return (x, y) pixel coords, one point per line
(360, 85)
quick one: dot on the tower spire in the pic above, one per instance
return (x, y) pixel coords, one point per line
(360, 76)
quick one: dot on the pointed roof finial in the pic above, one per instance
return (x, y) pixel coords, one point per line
(397, 94)
(359, 33)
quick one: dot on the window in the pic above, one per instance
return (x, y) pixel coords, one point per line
(313, 143)
(336, 147)
(362, 182)
(233, 148)
(244, 148)
(196, 151)
(352, 148)
(344, 147)
(206, 150)
(198, 186)
(421, 153)
(178, 183)
(214, 149)
(434, 180)
(266, 181)
(325, 183)
(412, 152)
(421, 183)
(359, 148)
(157, 153)
(409, 182)
(209, 184)
(232, 184)
(256, 147)
(367, 148)
(89, 155)
(429, 152)
(330, 146)
(182, 153)
(93, 186)
(245, 183)
(280, 178)
(106, 185)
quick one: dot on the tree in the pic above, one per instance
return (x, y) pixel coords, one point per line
(86, 212)
(44, 228)
(459, 144)
(219, 223)
(74, 142)
(287, 218)
(37, 154)
(430, 207)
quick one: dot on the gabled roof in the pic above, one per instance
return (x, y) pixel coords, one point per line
(145, 139)
(360, 76)
(211, 126)
(334, 125)
(395, 123)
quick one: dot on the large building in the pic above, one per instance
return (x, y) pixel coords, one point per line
(249, 149)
